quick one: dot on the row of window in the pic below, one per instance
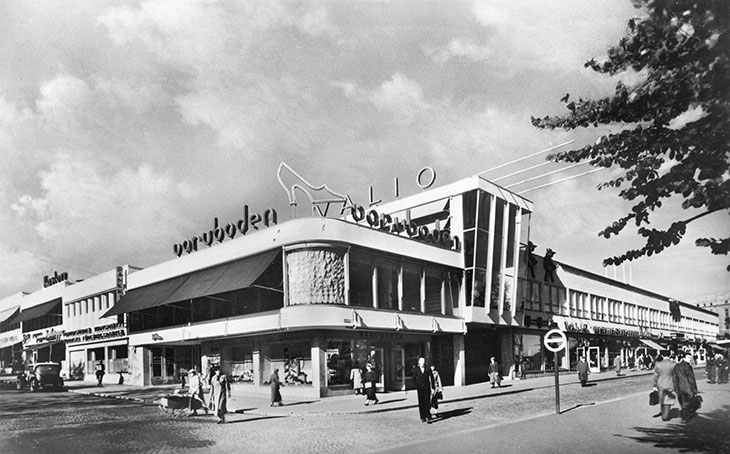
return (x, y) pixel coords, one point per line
(86, 312)
(543, 297)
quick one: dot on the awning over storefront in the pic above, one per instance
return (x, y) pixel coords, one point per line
(219, 279)
(652, 344)
(10, 315)
(38, 311)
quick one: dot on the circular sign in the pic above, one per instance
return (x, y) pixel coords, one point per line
(555, 340)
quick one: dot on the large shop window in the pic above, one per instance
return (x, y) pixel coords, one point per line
(411, 288)
(238, 361)
(387, 284)
(529, 348)
(434, 281)
(344, 355)
(293, 359)
(361, 279)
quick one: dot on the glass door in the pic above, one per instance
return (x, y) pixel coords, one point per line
(399, 380)
(594, 359)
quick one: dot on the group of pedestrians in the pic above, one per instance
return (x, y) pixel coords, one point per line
(675, 382)
(219, 392)
(717, 369)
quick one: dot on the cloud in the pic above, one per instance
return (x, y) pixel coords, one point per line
(92, 214)
(459, 48)
(400, 97)
(19, 269)
(551, 35)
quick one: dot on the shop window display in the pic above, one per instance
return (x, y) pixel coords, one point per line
(342, 355)
(293, 359)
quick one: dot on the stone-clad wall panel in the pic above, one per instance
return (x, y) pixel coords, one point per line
(316, 276)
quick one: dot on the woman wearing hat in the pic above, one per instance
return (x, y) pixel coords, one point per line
(369, 382)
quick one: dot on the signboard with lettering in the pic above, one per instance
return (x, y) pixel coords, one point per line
(98, 333)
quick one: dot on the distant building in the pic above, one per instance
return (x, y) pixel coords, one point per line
(719, 303)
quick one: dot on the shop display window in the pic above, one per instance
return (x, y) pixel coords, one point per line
(238, 362)
(293, 359)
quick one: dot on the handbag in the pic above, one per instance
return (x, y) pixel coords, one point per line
(654, 398)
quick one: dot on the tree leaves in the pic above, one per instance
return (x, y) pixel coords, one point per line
(682, 47)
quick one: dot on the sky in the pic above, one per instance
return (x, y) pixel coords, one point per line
(127, 126)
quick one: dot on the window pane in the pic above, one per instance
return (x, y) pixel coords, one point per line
(361, 279)
(411, 288)
(387, 283)
(434, 280)
(469, 207)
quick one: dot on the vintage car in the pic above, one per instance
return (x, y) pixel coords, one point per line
(42, 376)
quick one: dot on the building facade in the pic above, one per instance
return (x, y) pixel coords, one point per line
(449, 274)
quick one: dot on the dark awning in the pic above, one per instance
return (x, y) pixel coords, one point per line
(38, 311)
(10, 315)
(219, 279)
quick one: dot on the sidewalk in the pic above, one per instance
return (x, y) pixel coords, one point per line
(256, 403)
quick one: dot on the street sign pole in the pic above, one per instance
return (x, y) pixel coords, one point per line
(557, 385)
(555, 341)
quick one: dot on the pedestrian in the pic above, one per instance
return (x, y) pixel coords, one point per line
(100, 371)
(710, 369)
(617, 364)
(583, 371)
(197, 399)
(356, 378)
(423, 379)
(275, 385)
(523, 367)
(221, 390)
(495, 377)
(438, 390)
(211, 394)
(664, 384)
(632, 363)
(370, 383)
(721, 368)
(685, 386)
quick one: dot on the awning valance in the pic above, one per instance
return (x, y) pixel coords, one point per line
(39, 310)
(652, 344)
(211, 281)
(10, 315)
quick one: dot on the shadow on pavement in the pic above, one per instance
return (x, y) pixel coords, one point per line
(390, 401)
(588, 385)
(259, 418)
(451, 414)
(707, 433)
(577, 406)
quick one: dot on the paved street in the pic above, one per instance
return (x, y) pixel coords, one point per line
(611, 416)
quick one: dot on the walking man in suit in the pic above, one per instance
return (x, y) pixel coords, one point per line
(423, 379)
(664, 383)
(686, 386)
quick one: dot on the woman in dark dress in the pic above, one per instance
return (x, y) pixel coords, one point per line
(275, 385)
(369, 382)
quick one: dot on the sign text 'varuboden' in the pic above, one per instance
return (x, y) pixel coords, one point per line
(249, 221)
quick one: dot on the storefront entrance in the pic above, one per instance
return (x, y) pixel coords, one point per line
(171, 364)
(593, 357)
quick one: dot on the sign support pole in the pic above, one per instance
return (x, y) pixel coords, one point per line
(557, 385)
(555, 341)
